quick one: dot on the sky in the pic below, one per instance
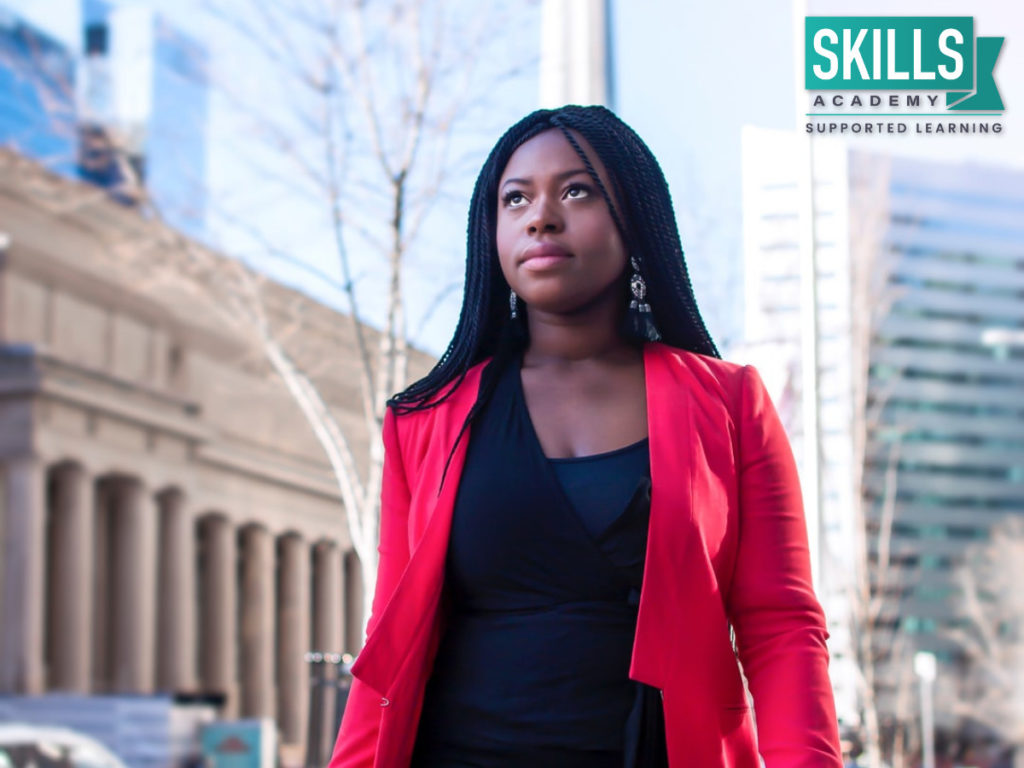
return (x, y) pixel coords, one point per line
(688, 76)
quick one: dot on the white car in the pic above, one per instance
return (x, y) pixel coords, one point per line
(23, 745)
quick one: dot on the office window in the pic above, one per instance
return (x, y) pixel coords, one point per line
(96, 40)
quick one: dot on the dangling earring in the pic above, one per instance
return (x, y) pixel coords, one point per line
(512, 304)
(642, 320)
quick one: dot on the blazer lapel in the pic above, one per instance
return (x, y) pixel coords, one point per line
(669, 421)
(414, 606)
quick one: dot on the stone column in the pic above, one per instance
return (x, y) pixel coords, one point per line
(105, 516)
(218, 606)
(257, 626)
(176, 587)
(135, 590)
(353, 603)
(71, 580)
(328, 618)
(293, 639)
(21, 612)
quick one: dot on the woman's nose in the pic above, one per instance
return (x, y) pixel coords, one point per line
(545, 216)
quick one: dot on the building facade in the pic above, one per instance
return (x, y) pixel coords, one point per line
(170, 523)
(773, 341)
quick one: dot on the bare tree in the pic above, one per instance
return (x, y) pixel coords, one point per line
(992, 636)
(875, 593)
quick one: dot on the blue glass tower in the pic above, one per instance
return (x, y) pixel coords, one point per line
(176, 139)
(37, 94)
(124, 107)
(145, 85)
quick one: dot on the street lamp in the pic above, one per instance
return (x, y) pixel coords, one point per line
(330, 681)
(924, 666)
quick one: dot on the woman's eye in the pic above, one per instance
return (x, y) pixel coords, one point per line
(514, 199)
(577, 191)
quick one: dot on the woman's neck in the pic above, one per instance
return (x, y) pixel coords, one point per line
(567, 344)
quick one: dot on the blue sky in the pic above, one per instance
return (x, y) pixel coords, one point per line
(688, 78)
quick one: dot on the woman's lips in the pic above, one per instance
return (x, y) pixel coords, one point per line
(545, 255)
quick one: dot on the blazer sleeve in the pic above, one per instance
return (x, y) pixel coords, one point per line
(356, 745)
(779, 624)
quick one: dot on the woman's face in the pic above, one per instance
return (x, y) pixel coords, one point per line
(559, 248)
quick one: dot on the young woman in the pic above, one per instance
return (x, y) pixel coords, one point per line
(582, 503)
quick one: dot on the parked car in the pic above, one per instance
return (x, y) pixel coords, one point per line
(23, 745)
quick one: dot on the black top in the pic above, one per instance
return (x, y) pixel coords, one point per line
(543, 573)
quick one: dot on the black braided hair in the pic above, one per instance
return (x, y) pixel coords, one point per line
(643, 214)
(645, 220)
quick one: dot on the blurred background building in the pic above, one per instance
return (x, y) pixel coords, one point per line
(122, 103)
(576, 53)
(921, 368)
(773, 342)
(170, 526)
(171, 530)
(37, 100)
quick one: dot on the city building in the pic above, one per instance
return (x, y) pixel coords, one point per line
(145, 92)
(919, 284)
(576, 53)
(123, 104)
(37, 94)
(773, 343)
(169, 521)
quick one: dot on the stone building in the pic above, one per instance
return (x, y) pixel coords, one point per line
(169, 522)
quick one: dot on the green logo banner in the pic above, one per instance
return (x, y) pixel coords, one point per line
(887, 53)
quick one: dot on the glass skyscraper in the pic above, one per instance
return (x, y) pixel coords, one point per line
(124, 106)
(37, 94)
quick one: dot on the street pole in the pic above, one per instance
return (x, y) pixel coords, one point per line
(924, 665)
(810, 401)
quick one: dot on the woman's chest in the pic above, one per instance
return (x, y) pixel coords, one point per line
(692, 455)
(587, 413)
(528, 531)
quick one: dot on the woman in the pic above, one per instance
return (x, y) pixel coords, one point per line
(576, 515)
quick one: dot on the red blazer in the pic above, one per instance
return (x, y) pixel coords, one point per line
(727, 544)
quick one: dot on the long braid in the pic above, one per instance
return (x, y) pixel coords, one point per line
(612, 208)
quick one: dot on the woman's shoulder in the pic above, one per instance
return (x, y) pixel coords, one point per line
(694, 358)
(704, 367)
(734, 385)
(423, 432)
(739, 386)
(457, 394)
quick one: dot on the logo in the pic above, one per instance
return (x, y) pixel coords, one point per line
(900, 56)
